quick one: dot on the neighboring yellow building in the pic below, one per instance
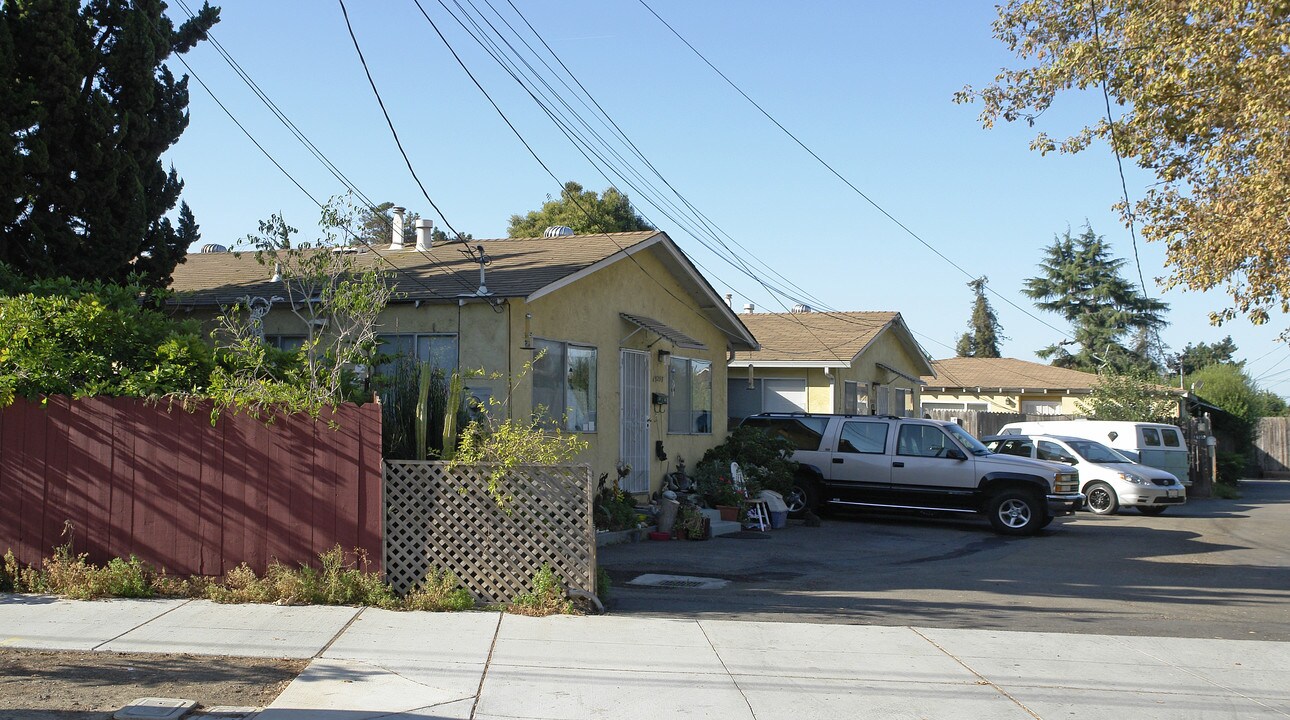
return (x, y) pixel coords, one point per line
(1006, 385)
(828, 362)
(636, 339)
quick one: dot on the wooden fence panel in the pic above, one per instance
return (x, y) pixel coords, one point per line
(1272, 448)
(162, 483)
(439, 518)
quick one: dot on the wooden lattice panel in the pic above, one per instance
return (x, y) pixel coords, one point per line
(441, 518)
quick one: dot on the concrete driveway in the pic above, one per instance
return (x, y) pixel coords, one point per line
(1211, 569)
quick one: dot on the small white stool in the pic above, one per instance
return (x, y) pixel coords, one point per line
(756, 510)
(756, 514)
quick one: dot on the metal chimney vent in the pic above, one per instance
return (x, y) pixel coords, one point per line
(214, 248)
(799, 308)
(558, 231)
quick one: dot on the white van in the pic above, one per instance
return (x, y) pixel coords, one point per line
(1156, 444)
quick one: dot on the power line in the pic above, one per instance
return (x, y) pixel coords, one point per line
(395, 132)
(309, 145)
(284, 171)
(583, 147)
(839, 175)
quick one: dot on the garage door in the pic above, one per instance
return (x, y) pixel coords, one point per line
(784, 396)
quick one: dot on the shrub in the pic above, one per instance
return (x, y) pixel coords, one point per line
(9, 573)
(613, 509)
(762, 456)
(546, 598)
(439, 591)
(1231, 467)
(131, 578)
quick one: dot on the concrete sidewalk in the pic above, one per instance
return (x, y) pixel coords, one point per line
(370, 663)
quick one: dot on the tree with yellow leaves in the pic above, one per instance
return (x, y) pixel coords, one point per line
(1203, 89)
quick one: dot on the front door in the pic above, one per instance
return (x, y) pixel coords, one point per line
(633, 437)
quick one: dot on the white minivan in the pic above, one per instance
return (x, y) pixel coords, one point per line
(1159, 445)
(1108, 479)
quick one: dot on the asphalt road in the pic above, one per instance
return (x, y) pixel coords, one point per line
(1210, 569)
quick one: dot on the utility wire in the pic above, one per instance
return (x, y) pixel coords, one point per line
(482, 37)
(309, 145)
(529, 148)
(636, 150)
(394, 132)
(400, 271)
(839, 175)
(583, 148)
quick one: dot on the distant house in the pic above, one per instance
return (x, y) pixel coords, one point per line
(828, 362)
(1005, 385)
(635, 338)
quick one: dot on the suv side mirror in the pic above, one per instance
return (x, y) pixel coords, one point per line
(954, 453)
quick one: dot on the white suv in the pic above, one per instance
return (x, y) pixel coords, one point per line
(1110, 480)
(869, 461)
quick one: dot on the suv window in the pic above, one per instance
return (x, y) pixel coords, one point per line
(863, 437)
(1053, 452)
(1151, 436)
(1171, 438)
(1020, 447)
(805, 433)
(921, 441)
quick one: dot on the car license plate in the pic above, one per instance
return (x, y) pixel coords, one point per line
(1173, 493)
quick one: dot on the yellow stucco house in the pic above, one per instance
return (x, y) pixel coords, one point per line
(636, 340)
(1006, 385)
(827, 362)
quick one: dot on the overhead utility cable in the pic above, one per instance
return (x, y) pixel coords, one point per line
(839, 175)
(313, 149)
(583, 147)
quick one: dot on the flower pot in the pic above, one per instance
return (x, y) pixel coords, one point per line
(729, 513)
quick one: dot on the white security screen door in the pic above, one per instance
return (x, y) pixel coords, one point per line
(633, 439)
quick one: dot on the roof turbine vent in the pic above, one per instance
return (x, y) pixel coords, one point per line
(214, 248)
(800, 308)
(557, 231)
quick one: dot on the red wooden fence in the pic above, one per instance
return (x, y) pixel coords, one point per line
(162, 483)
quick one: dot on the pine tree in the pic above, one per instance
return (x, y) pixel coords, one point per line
(1081, 282)
(984, 332)
(87, 108)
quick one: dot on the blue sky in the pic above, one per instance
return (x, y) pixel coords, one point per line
(865, 85)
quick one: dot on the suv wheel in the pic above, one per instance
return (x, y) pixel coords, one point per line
(1016, 512)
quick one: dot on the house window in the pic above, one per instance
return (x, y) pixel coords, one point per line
(1041, 407)
(959, 406)
(290, 343)
(902, 401)
(438, 349)
(564, 384)
(855, 398)
(689, 386)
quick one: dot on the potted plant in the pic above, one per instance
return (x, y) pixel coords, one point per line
(691, 524)
(718, 491)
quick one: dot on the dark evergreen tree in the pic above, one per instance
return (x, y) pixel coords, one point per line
(984, 332)
(1081, 282)
(87, 108)
(1200, 355)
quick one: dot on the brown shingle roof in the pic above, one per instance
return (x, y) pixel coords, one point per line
(1006, 373)
(520, 266)
(813, 336)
